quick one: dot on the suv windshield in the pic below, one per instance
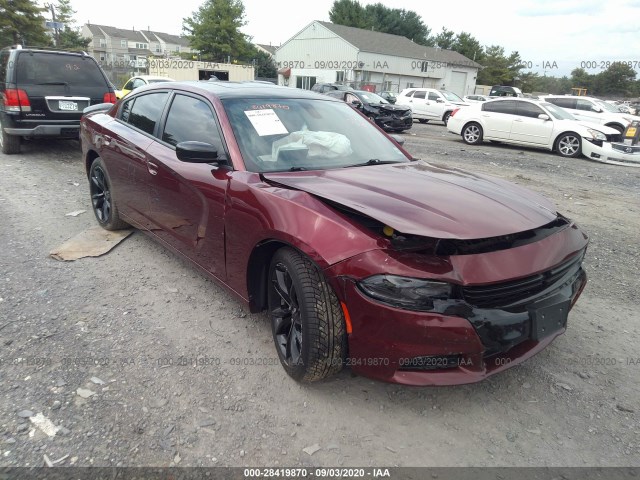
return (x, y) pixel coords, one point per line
(39, 68)
(557, 112)
(303, 134)
(452, 97)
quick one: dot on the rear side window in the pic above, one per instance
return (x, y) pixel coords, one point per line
(55, 69)
(563, 102)
(4, 60)
(506, 106)
(146, 110)
(420, 95)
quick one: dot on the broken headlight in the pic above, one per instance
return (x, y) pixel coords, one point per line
(405, 292)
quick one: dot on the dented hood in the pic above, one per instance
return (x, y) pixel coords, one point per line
(422, 199)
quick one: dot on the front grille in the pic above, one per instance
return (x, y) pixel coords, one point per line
(621, 147)
(614, 137)
(509, 294)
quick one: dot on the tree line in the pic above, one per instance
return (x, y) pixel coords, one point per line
(214, 31)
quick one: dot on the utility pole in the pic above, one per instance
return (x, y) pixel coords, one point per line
(56, 31)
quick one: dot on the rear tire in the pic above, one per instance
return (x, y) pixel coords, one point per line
(445, 118)
(104, 205)
(472, 133)
(307, 321)
(10, 143)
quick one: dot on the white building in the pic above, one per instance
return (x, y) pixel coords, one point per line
(326, 52)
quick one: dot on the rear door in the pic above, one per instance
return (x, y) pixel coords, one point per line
(497, 117)
(125, 152)
(418, 103)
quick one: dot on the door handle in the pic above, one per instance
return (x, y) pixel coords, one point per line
(152, 167)
(518, 120)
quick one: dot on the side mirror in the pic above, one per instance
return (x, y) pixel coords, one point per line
(356, 103)
(398, 139)
(439, 100)
(596, 109)
(543, 116)
(196, 152)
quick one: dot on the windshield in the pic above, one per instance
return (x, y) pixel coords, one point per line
(608, 107)
(557, 112)
(371, 97)
(278, 135)
(452, 97)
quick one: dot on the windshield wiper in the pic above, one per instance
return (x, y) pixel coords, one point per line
(53, 83)
(373, 161)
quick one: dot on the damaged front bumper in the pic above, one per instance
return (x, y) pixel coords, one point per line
(478, 333)
(612, 153)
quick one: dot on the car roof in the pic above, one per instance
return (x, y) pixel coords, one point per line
(251, 89)
(153, 77)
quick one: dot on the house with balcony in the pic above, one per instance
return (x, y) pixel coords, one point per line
(125, 52)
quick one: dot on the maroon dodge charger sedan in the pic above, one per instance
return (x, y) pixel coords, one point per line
(363, 256)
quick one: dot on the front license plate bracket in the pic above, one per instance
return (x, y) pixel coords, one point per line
(547, 320)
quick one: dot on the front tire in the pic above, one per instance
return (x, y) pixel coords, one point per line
(472, 133)
(307, 321)
(445, 118)
(104, 205)
(10, 144)
(569, 145)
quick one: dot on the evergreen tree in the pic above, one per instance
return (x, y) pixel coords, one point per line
(22, 22)
(214, 30)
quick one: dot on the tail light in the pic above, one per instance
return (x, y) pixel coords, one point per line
(16, 100)
(454, 112)
(109, 97)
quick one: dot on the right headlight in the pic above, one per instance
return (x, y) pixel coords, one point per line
(405, 292)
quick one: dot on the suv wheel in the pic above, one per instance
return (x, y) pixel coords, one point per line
(445, 118)
(10, 143)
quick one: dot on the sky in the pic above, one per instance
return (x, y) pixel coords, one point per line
(552, 36)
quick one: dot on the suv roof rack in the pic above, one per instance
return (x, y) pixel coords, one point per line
(52, 49)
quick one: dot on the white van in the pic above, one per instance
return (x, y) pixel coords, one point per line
(430, 103)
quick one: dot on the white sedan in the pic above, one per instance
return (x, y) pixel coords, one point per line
(531, 123)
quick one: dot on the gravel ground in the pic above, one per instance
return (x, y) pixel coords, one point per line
(138, 360)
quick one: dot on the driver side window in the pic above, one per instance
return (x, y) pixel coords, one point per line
(191, 119)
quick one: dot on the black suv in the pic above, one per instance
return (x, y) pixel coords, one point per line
(43, 93)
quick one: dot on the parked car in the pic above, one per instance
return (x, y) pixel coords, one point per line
(430, 104)
(141, 81)
(592, 110)
(43, 93)
(531, 123)
(390, 97)
(505, 91)
(475, 98)
(389, 117)
(328, 87)
(362, 256)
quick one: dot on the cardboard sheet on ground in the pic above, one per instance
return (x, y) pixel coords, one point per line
(93, 242)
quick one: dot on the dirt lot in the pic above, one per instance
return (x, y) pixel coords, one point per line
(125, 328)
